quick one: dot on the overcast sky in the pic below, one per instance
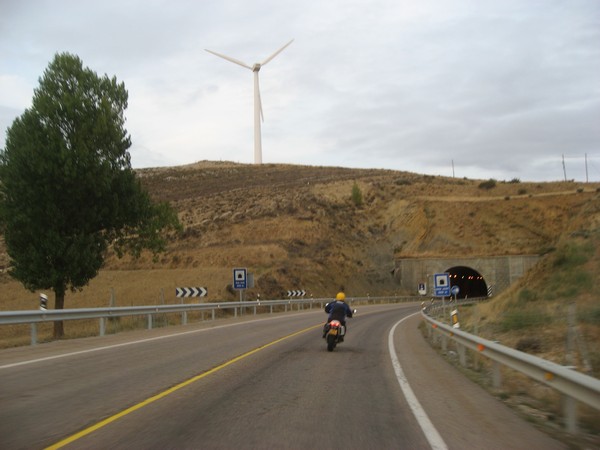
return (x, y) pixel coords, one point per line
(500, 88)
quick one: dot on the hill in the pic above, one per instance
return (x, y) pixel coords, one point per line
(299, 227)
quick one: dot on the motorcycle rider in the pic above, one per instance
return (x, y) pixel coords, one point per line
(337, 310)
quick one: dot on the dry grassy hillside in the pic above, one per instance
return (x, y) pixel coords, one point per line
(298, 227)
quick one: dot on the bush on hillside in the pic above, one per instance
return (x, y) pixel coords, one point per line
(489, 184)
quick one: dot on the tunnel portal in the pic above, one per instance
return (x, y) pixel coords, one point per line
(475, 276)
(470, 282)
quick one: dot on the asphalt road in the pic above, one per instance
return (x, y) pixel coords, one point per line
(265, 382)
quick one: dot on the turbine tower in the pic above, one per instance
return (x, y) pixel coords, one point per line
(258, 114)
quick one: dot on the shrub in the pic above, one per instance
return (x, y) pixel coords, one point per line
(572, 255)
(519, 320)
(527, 295)
(489, 184)
(591, 316)
(357, 197)
(529, 344)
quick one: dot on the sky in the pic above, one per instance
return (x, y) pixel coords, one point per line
(479, 89)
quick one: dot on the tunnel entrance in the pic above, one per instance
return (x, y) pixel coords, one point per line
(469, 281)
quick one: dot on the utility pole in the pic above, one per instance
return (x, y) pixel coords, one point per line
(452, 168)
(564, 168)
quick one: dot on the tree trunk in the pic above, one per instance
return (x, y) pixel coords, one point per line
(59, 303)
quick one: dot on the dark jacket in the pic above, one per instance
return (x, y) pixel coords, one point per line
(338, 311)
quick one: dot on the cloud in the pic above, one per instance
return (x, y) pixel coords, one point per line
(502, 88)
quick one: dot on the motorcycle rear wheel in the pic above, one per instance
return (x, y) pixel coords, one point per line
(330, 342)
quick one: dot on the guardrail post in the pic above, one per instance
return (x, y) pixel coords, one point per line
(496, 375)
(33, 334)
(444, 342)
(462, 354)
(213, 314)
(149, 321)
(271, 311)
(435, 338)
(476, 360)
(570, 413)
(184, 318)
(102, 326)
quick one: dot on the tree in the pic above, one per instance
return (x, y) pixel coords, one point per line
(357, 197)
(67, 189)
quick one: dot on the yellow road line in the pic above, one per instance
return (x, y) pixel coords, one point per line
(169, 391)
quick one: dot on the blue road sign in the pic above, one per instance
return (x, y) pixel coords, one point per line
(240, 278)
(441, 284)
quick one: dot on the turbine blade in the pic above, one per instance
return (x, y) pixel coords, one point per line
(228, 58)
(276, 53)
(262, 117)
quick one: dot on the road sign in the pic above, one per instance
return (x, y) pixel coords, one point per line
(455, 290)
(441, 284)
(422, 288)
(240, 278)
(296, 293)
(184, 292)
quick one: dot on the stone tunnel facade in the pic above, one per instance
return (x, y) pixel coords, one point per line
(498, 272)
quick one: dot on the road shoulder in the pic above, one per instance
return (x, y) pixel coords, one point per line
(465, 415)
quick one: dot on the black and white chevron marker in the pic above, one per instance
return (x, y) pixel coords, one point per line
(296, 293)
(190, 292)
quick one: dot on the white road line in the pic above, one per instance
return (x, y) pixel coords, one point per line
(124, 344)
(432, 435)
(64, 355)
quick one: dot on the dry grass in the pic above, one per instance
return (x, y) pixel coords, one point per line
(296, 227)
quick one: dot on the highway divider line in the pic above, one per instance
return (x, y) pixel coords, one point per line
(146, 340)
(171, 390)
(139, 341)
(431, 434)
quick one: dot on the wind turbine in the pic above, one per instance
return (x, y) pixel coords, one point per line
(258, 114)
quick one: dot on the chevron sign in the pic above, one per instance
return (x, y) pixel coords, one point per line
(296, 293)
(190, 292)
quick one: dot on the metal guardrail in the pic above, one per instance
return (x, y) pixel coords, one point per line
(574, 386)
(35, 317)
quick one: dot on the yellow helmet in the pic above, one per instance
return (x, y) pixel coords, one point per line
(340, 296)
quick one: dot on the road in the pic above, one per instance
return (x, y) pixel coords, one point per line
(252, 382)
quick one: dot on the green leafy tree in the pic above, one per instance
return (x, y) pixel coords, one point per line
(67, 189)
(357, 197)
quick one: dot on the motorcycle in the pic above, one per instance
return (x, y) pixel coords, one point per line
(334, 333)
